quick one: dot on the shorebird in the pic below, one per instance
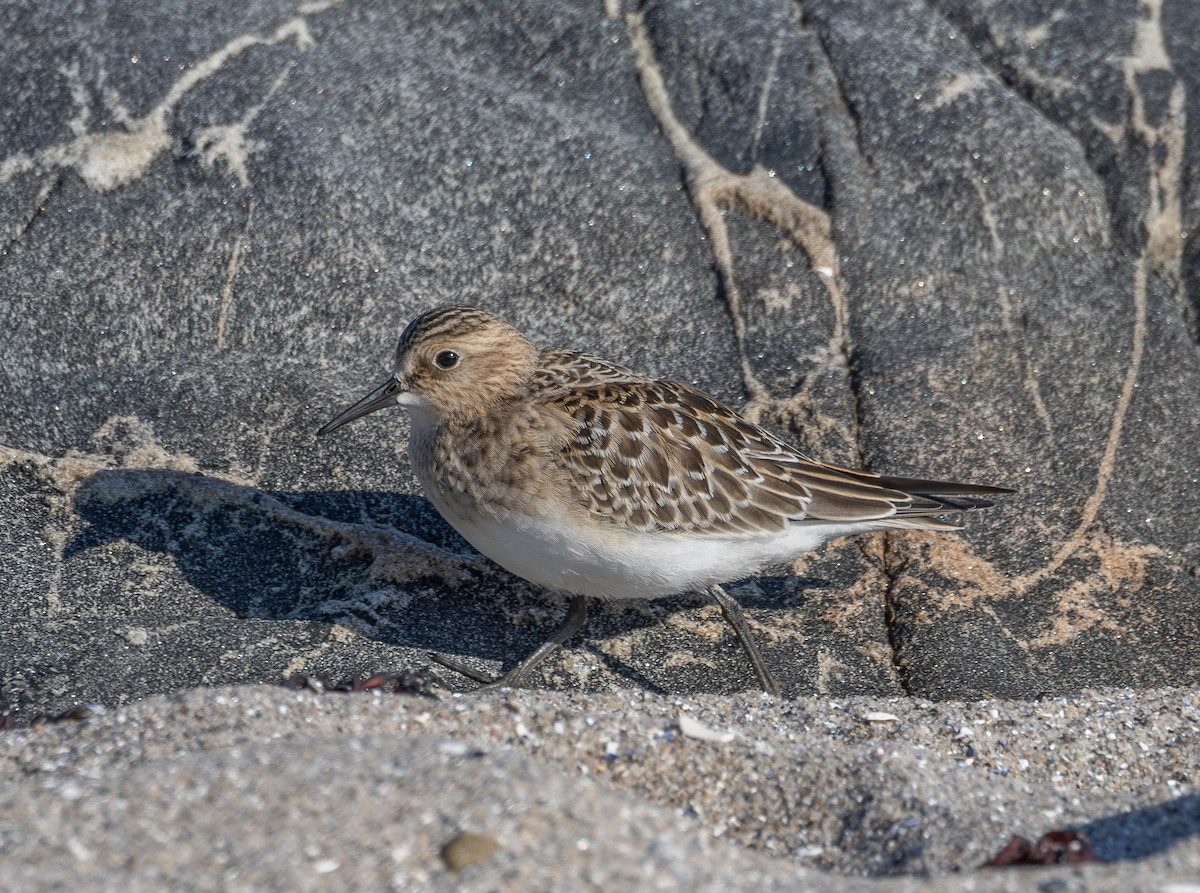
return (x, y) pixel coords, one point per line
(585, 477)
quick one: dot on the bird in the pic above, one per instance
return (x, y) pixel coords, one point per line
(594, 481)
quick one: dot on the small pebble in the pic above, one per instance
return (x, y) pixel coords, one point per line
(692, 728)
(467, 849)
(880, 716)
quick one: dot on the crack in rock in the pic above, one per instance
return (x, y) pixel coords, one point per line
(758, 194)
(110, 159)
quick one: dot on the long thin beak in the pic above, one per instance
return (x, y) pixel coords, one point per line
(387, 394)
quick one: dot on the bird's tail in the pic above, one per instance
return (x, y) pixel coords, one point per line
(933, 498)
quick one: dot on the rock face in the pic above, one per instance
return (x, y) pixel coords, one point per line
(946, 239)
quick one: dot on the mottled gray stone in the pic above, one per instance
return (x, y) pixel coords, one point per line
(215, 221)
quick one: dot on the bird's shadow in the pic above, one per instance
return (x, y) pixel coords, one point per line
(385, 564)
(1140, 833)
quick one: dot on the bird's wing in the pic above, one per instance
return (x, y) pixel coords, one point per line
(661, 456)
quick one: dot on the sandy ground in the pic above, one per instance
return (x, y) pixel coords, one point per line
(263, 788)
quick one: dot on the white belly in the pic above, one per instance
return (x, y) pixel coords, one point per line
(614, 564)
(606, 561)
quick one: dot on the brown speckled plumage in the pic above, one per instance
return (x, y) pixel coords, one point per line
(644, 454)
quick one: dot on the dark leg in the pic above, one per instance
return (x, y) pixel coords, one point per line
(576, 617)
(733, 613)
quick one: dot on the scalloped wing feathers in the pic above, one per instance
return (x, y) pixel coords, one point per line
(661, 456)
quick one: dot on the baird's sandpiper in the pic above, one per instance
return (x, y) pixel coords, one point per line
(589, 479)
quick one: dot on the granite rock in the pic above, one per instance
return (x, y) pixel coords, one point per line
(946, 239)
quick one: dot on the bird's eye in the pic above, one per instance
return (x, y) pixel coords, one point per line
(446, 359)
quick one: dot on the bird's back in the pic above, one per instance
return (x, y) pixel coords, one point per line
(660, 456)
